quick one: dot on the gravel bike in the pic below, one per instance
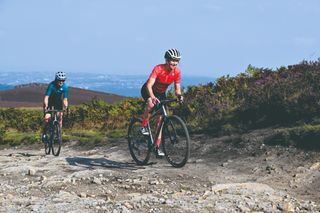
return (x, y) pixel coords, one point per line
(175, 140)
(52, 136)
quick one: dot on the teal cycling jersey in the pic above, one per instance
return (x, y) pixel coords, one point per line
(57, 94)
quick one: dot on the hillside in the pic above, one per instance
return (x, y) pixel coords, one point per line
(31, 95)
(124, 85)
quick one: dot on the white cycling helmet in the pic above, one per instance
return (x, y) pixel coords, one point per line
(172, 54)
(61, 76)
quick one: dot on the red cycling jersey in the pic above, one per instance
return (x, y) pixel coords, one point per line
(164, 77)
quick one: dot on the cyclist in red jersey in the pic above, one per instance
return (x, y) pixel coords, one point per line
(154, 90)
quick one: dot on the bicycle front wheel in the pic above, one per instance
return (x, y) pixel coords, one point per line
(139, 144)
(57, 139)
(47, 140)
(176, 141)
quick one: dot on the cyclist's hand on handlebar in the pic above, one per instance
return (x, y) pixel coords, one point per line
(45, 108)
(155, 100)
(180, 99)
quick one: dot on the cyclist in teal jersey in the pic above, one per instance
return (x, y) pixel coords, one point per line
(56, 96)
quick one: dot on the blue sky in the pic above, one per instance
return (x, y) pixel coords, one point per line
(129, 37)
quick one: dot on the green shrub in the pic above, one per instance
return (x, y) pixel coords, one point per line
(2, 132)
(14, 138)
(305, 136)
(255, 99)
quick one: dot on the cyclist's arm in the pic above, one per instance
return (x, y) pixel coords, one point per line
(65, 96)
(65, 102)
(177, 89)
(45, 101)
(46, 96)
(177, 84)
(178, 92)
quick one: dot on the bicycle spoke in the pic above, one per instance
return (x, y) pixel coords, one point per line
(176, 141)
(56, 141)
(138, 143)
(47, 142)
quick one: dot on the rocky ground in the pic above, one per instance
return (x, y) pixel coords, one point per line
(226, 174)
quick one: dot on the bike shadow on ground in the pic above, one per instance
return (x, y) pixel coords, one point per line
(92, 163)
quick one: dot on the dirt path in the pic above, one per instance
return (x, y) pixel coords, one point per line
(228, 174)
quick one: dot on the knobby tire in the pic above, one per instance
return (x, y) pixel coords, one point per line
(176, 141)
(139, 144)
(47, 145)
(56, 139)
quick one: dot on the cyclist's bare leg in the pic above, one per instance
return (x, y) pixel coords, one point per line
(146, 114)
(46, 123)
(59, 117)
(158, 141)
(46, 119)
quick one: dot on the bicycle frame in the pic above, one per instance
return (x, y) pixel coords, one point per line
(53, 117)
(53, 128)
(159, 110)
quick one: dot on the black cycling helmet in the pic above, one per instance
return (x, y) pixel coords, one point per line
(172, 54)
(61, 76)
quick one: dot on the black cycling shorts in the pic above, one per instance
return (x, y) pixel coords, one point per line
(56, 106)
(145, 95)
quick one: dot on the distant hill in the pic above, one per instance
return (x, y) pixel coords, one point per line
(123, 85)
(5, 86)
(31, 95)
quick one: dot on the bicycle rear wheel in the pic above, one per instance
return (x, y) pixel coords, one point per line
(139, 144)
(56, 139)
(176, 141)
